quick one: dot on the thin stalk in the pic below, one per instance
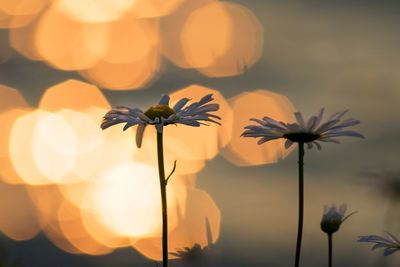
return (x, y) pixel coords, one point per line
(330, 250)
(301, 204)
(163, 187)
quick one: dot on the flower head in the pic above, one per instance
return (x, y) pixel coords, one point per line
(390, 244)
(333, 217)
(191, 254)
(309, 132)
(162, 114)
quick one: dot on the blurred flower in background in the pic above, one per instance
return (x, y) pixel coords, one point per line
(390, 245)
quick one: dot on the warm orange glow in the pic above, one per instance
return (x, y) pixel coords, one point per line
(18, 218)
(172, 147)
(132, 40)
(54, 146)
(8, 173)
(10, 98)
(126, 200)
(21, 138)
(91, 11)
(171, 29)
(155, 8)
(207, 35)
(198, 223)
(71, 225)
(257, 104)
(22, 7)
(73, 94)
(208, 139)
(68, 44)
(124, 76)
(22, 39)
(245, 45)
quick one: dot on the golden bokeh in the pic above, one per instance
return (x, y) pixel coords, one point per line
(171, 30)
(198, 224)
(155, 8)
(94, 11)
(73, 94)
(77, 46)
(245, 46)
(91, 191)
(257, 104)
(18, 219)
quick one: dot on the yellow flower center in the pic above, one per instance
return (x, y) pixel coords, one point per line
(159, 111)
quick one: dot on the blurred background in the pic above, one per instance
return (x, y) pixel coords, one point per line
(73, 195)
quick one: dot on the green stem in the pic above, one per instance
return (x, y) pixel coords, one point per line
(301, 204)
(163, 187)
(330, 250)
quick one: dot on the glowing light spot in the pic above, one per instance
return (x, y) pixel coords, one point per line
(21, 157)
(133, 39)
(71, 225)
(207, 35)
(94, 10)
(73, 94)
(8, 174)
(124, 76)
(155, 8)
(126, 199)
(245, 151)
(76, 46)
(171, 29)
(54, 147)
(245, 46)
(209, 139)
(199, 224)
(17, 220)
(22, 7)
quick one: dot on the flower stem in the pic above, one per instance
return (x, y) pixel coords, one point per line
(163, 187)
(301, 203)
(330, 250)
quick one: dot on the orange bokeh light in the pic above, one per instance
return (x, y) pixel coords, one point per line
(245, 46)
(154, 8)
(136, 39)
(126, 200)
(221, 39)
(209, 139)
(94, 11)
(198, 224)
(77, 46)
(171, 28)
(124, 76)
(18, 219)
(73, 94)
(257, 104)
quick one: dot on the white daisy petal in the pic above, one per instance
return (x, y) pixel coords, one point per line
(311, 132)
(299, 119)
(288, 144)
(139, 134)
(164, 101)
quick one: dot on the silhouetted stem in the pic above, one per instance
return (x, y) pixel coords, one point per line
(301, 204)
(163, 187)
(330, 250)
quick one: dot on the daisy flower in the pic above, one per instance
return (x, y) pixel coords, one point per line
(160, 115)
(333, 217)
(311, 132)
(390, 244)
